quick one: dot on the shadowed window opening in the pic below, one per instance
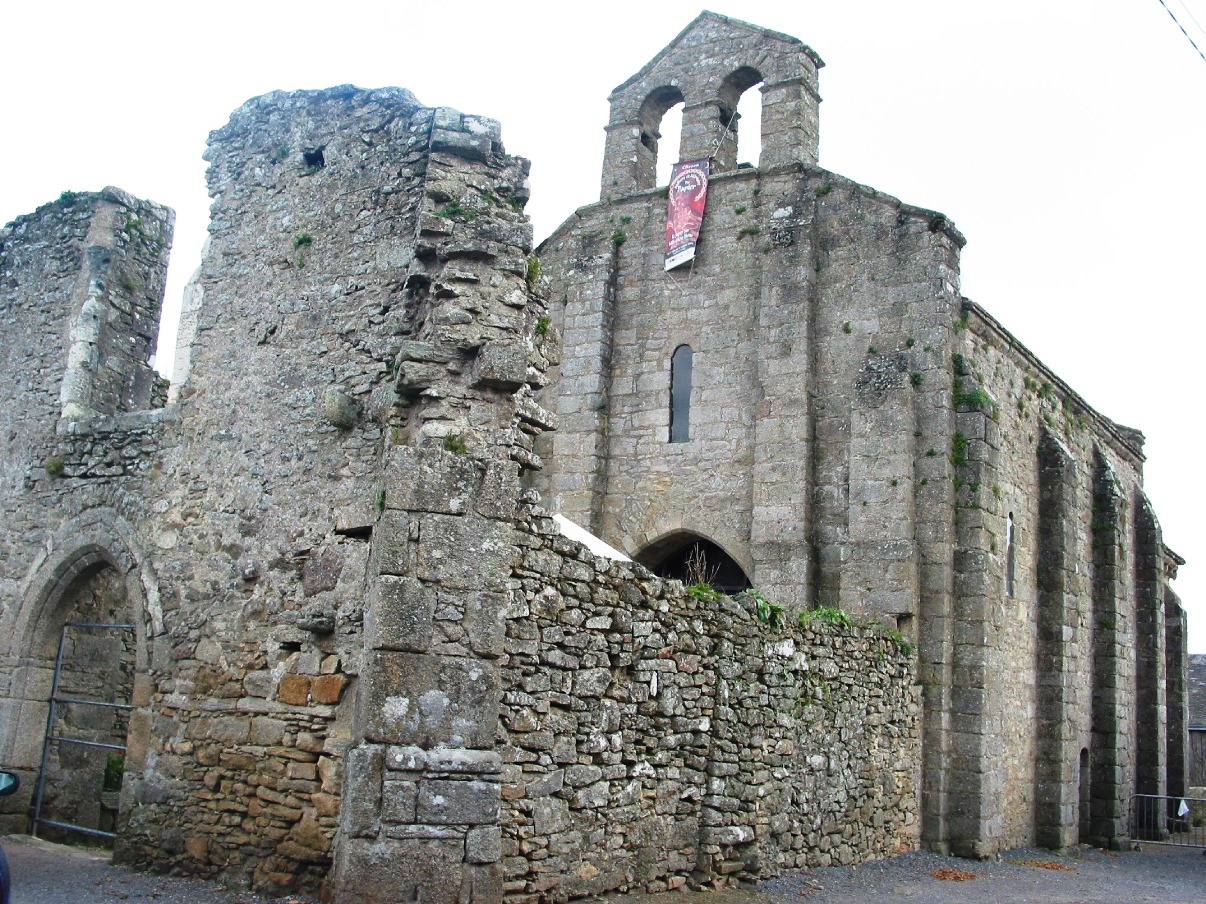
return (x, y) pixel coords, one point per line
(680, 394)
(694, 560)
(314, 158)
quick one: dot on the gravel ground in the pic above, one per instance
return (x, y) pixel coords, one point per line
(45, 873)
(1156, 874)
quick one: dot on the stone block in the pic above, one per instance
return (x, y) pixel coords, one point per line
(267, 731)
(461, 144)
(483, 845)
(577, 776)
(482, 884)
(229, 730)
(425, 700)
(394, 870)
(497, 494)
(460, 760)
(398, 801)
(550, 815)
(457, 802)
(591, 682)
(406, 759)
(321, 571)
(430, 480)
(399, 614)
(294, 690)
(484, 622)
(467, 553)
(393, 548)
(328, 689)
(502, 364)
(362, 792)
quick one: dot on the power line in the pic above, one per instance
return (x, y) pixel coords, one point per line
(1189, 11)
(1183, 31)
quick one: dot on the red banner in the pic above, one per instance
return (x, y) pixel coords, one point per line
(685, 210)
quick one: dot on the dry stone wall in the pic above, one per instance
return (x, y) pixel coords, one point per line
(652, 738)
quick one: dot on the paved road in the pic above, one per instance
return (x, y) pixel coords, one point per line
(46, 873)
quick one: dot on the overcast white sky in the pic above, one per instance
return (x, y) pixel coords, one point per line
(1065, 138)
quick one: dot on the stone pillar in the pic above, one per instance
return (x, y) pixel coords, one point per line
(1056, 767)
(710, 130)
(1110, 753)
(629, 160)
(580, 444)
(1150, 725)
(880, 579)
(421, 802)
(976, 790)
(1177, 668)
(782, 480)
(790, 122)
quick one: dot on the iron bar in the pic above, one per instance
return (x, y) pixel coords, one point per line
(86, 743)
(91, 703)
(72, 826)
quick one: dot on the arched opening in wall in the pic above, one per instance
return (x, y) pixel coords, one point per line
(741, 118)
(680, 394)
(87, 652)
(693, 559)
(661, 123)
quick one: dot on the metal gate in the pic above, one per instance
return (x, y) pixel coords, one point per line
(51, 738)
(1160, 819)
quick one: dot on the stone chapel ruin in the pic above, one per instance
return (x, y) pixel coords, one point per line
(303, 619)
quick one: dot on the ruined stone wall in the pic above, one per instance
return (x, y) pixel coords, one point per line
(270, 506)
(359, 244)
(651, 738)
(82, 281)
(420, 811)
(266, 504)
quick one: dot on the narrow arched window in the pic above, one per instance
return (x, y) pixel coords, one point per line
(680, 394)
(1010, 556)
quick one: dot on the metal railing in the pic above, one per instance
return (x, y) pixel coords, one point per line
(1164, 819)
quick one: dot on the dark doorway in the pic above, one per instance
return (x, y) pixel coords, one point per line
(692, 559)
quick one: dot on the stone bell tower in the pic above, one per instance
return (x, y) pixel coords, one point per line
(707, 68)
